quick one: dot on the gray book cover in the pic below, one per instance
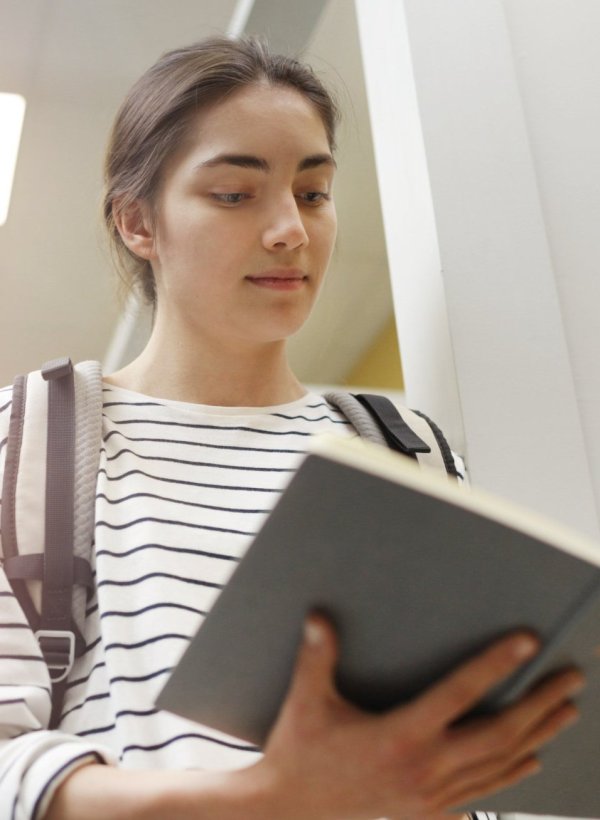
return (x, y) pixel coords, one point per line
(415, 583)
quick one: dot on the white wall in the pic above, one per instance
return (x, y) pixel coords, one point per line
(477, 163)
(557, 63)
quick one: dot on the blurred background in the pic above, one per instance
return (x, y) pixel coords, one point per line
(73, 61)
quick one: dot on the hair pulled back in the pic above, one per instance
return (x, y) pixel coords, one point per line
(155, 115)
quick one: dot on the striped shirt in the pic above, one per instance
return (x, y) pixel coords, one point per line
(182, 489)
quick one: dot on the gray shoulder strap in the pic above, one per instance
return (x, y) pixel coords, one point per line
(88, 441)
(49, 497)
(438, 456)
(358, 415)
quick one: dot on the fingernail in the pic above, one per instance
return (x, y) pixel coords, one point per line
(313, 633)
(525, 647)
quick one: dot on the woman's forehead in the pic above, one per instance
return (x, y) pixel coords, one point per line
(260, 114)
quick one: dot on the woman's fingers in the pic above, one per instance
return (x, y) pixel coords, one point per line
(499, 751)
(525, 725)
(465, 791)
(461, 690)
(317, 656)
(554, 723)
(494, 768)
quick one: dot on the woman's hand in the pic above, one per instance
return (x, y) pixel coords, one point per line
(327, 759)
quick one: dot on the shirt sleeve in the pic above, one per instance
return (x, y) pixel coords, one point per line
(33, 759)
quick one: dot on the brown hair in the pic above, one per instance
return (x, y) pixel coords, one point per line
(156, 113)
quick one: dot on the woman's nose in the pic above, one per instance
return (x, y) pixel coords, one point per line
(285, 228)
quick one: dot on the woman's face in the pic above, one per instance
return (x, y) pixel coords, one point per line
(245, 222)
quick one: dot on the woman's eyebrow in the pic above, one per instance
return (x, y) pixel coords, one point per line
(315, 160)
(239, 160)
(261, 164)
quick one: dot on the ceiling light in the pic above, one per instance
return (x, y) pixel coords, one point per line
(12, 111)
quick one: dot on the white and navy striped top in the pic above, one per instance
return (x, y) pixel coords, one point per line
(182, 488)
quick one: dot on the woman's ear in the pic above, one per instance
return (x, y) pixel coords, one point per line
(136, 227)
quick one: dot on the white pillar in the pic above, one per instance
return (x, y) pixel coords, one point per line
(461, 201)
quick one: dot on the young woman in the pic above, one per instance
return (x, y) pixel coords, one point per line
(219, 179)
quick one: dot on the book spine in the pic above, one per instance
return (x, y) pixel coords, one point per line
(582, 618)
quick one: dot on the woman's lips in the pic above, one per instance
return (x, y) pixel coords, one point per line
(279, 280)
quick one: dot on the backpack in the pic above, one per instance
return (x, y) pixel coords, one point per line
(57, 411)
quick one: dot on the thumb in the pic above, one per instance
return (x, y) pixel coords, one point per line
(316, 660)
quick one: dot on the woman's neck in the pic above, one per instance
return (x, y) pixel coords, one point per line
(213, 374)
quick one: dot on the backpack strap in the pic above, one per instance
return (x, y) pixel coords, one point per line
(443, 446)
(410, 432)
(48, 506)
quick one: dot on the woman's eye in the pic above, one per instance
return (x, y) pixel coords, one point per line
(314, 197)
(230, 199)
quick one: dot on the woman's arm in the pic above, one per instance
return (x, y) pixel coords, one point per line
(32, 758)
(327, 760)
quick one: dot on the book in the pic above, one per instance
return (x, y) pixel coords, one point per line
(417, 574)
